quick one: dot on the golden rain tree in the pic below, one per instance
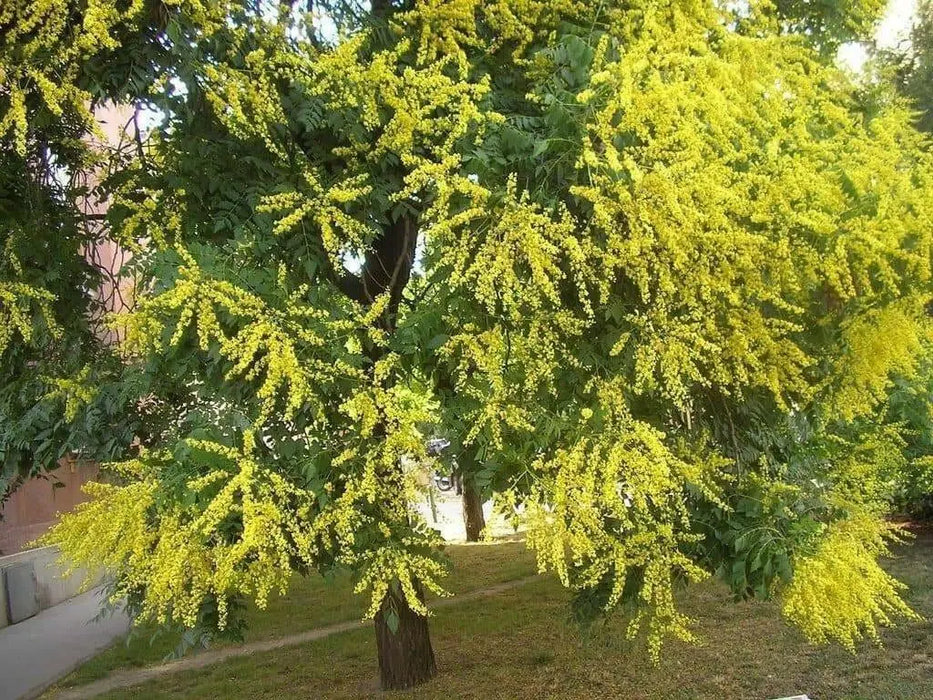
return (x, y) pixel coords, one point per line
(652, 267)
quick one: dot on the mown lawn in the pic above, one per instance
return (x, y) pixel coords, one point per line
(315, 602)
(517, 644)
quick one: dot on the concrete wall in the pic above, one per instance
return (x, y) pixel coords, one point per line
(52, 587)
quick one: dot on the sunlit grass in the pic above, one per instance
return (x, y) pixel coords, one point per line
(518, 644)
(315, 602)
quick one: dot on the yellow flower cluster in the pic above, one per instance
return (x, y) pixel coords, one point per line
(704, 205)
(18, 304)
(446, 27)
(521, 267)
(111, 530)
(417, 115)
(878, 345)
(180, 550)
(839, 592)
(340, 232)
(77, 391)
(612, 506)
(516, 268)
(45, 41)
(486, 366)
(270, 345)
(240, 534)
(386, 423)
(387, 566)
(376, 491)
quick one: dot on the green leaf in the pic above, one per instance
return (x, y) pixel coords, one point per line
(437, 341)
(392, 621)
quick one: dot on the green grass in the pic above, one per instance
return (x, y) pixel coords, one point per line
(517, 644)
(315, 602)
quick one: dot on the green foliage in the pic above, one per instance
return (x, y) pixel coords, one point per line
(63, 387)
(911, 65)
(655, 271)
(56, 380)
(909, 407)
(827, 24)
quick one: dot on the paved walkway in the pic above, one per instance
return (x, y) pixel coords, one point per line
(37, 652)
(125, 679)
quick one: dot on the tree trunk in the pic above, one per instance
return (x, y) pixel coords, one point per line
(473, 516)
(406, 658)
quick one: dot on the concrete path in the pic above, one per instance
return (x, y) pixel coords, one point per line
(125, 679)
(39, 651)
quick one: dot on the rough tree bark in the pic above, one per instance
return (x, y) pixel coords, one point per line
(403, 643)
(473, 517)
(406, 658)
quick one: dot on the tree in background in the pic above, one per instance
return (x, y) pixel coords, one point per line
(464, 483)
(908, 69)
(655, 265)
(911, 65)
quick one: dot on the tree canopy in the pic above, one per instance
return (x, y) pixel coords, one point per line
(652, 266)
(911, 64)
(56, 396)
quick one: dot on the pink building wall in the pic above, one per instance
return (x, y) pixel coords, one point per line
(116, 124)
(35, 505)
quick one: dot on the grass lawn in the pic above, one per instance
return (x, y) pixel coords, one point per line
(314, 602)
(517, 644)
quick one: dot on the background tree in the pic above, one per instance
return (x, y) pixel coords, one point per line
(911, 65)
(655, 265)
(908, 68)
